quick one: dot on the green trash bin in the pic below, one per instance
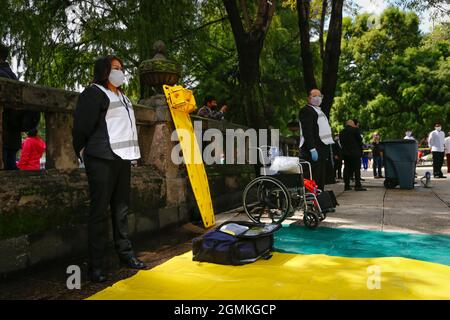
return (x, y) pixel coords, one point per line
(400, 158)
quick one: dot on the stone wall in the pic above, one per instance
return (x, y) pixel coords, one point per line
(43, 214)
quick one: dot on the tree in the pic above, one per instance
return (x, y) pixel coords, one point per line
(249, 33)
(330, 54)
(392, 77)
(58, 41)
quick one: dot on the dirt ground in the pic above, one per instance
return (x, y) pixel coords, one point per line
(48, 282)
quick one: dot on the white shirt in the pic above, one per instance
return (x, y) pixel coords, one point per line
(436, 141)
(447, 145)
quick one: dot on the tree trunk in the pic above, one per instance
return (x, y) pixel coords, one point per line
(249, 44)
(331, 56)
(303, 9)
(323, 15)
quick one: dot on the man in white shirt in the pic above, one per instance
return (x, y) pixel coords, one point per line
(436, 141)
(408, 135)
(447, 150)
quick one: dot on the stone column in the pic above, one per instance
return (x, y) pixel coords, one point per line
(59, 154)
(1, 137)
(155, 73)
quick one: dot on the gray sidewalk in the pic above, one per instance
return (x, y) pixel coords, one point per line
(421, 210)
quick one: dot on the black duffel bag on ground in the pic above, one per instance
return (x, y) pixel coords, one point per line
(235, 243)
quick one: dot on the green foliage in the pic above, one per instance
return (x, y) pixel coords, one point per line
(392, 77)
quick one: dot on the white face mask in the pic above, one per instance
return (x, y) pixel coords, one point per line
(408, 133)
(438, 128)
(117, 78)
(316, 101)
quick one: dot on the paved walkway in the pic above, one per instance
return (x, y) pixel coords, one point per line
(422, 210)
(414, 211)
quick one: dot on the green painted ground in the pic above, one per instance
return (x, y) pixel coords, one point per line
(363, 243)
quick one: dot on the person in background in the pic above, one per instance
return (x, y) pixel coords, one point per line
(32, 150)
(352, 149)
(408, 135)
(223, 109)
(447, 150)
(377, 157)
(209, 109)
(316, 130)
(365, 157)
(337, 153)
(436, 141)
(105, 138)
(12, 119)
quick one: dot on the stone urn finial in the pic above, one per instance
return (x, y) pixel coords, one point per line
(159, 70)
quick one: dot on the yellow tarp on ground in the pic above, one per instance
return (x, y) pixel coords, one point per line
(286, 277)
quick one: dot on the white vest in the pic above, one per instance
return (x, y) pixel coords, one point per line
(121, 125)
(324, 127)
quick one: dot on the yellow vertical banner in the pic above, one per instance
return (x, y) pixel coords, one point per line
(181, 103)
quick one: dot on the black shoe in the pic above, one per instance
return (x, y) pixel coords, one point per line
(132, 263)
(442, 177)
(360, 189)
(347, 188)
(362, 179)
(97, 276)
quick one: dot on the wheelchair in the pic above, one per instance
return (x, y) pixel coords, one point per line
(273, 197)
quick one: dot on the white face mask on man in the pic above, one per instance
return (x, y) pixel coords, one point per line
(438, 128)
(316, 101)
(117, 78)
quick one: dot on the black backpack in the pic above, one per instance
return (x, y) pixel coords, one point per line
(250, 242)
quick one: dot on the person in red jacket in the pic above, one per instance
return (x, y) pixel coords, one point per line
(32, 150)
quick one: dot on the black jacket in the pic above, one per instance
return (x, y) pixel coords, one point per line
(376, 149)
(12, 119)
(351, 141)
(6, 72)
(89, 125)
(308, 118)
(337, 150)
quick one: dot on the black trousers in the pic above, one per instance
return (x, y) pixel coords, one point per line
(438, 161)
(338, 168)
(352, 166)
(319, 167)
(109, 186)
(9, 159)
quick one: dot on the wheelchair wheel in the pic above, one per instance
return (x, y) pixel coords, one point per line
(266, 199)
(321, 215)
(311, 220)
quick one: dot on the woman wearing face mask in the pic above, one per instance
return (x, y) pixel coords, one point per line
(105, 139)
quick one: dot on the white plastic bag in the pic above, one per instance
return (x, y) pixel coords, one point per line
(286, 164)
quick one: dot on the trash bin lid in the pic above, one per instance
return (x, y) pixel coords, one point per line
(400, 141)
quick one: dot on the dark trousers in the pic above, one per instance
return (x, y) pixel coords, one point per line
(109, 185)
(448, 162)
(352, 167)
(377, 165)
(338, 168)
(9, 159)
(438, 161)
(365, 163)
(319, 167)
